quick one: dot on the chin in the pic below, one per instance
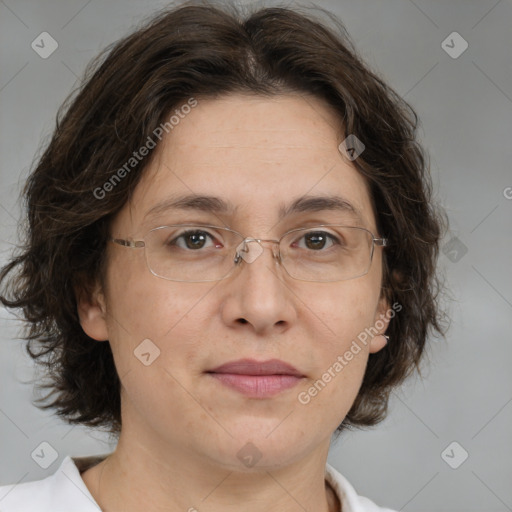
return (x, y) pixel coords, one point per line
(259, 445)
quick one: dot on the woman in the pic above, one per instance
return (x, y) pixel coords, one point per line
(197, 143)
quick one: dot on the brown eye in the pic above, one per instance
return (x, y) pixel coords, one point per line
(318, 240)
(193, 240)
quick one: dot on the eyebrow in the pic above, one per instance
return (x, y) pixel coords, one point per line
(216, 205)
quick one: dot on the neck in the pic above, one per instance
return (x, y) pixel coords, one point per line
(138, 477)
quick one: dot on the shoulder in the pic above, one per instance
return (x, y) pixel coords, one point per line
(60, 492)
(349, 499)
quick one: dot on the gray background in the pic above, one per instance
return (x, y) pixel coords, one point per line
(465, 105)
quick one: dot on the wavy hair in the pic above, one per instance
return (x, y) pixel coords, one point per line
(201, 50)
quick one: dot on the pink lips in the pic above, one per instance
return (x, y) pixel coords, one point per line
(257, 379)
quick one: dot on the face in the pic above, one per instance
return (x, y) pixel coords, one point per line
(257, 155)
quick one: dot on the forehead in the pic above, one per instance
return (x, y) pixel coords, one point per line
(261, 159)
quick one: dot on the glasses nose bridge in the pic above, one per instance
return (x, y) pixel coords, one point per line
(245, 254)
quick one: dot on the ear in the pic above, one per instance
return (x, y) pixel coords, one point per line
(381, 322)
(92, 313)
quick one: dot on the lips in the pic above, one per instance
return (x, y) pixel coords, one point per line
(252, 367)
(257, 379)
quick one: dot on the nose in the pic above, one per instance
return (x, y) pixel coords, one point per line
(257, 296)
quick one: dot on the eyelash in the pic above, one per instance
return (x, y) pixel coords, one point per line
(185, 234)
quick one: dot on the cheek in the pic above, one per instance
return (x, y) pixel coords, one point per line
(328, 398)
(339, 312)
(153, 328)
(142, 307)
(338, 319)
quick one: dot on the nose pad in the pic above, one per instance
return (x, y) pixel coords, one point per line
(247, 251)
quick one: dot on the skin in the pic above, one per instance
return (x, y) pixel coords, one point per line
(182, 430)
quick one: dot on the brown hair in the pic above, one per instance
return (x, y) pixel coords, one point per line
(199, 50)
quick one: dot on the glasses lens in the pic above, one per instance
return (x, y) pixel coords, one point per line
(191, 253)
(327, 253)
(199, 253)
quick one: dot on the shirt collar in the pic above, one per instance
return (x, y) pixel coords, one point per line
(345, 492)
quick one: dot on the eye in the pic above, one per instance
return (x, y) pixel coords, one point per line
(194, 239)
(318, 240)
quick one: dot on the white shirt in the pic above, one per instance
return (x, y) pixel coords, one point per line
(65, 491)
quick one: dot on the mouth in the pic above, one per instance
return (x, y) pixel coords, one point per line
(257, 379)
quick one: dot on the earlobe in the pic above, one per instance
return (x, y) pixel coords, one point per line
(92, 315)
(381, 322)
(378, 342)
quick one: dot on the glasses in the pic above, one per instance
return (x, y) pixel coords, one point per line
(203, 253)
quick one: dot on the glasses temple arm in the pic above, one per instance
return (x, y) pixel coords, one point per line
(128, 243)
